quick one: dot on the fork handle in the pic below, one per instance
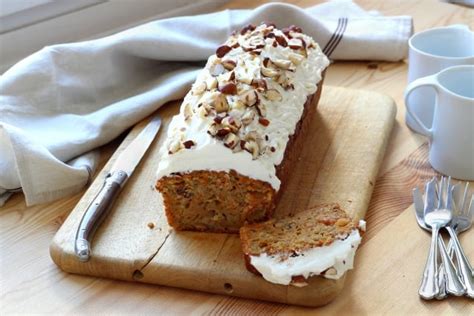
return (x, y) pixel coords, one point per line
(464, 267)
(429, 283)
(441, 275)
(453, 284)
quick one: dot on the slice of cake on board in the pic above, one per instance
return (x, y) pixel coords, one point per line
(318, 241)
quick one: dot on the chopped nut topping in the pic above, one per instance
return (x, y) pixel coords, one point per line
(281, 63)
(238, 105)
(232, 123)
(188, 144)
(269, 35)
(244, 78)
(270, 25)
(257, 42)
(199, 88)
(188, 111)
(255, 52)
(223, 131)
(280, 79)
(231, 76)
(303, 52)
(330, 271)
(211, 83)
(291, 30)
(252, 135)
(252, 147)
(249, 98)
(223, 50)
(204, 110)
(229, 99)
(229, 88)
(259, 84)
(220, 103)
(261, 109)
(299, 281)
(295, 58)
(231, 140)
(295, 43)
(212, 130)
(174, 147)
(273, 95)
(247, 28)
(218, 119)
(228, 64)
(264, 121)
(269, 72)
(232, 42)
(216, 69)
(281, 41)
(248, 116)
(265, 61)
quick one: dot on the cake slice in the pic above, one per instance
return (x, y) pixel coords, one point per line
(240, 129)
(318, 241)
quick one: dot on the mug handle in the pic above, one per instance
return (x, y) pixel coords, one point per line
(425, 81)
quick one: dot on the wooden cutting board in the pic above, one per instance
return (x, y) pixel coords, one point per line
(345, 146)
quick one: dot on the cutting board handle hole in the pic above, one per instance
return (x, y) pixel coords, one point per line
(138, 275)
(228, 287)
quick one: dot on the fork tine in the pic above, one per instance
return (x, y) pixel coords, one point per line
(457, 196)
(463, 205)
(430, 196)
(470, 211)
(441, 198)
(449, 198)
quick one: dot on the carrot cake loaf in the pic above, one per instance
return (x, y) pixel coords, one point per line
(240, 128)
(318, 241)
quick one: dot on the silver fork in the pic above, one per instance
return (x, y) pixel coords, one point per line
(463, 218)
(437, 217)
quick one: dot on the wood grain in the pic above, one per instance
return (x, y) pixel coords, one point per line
(345, 145)
(31, 283)
(393, 191)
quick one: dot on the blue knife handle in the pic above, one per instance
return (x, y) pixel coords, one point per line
(97, 212)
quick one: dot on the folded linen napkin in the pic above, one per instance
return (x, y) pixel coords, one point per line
(467, 3)
(65, 100)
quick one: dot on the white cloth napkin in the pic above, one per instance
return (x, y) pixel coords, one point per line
(65, 100)
(468, 3)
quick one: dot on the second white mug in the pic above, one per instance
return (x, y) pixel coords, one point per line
(452, 132)
(429, 52)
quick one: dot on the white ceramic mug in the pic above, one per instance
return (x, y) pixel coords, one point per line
(452, 133)
(429, 52)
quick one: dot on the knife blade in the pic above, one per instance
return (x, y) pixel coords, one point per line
(114, 181)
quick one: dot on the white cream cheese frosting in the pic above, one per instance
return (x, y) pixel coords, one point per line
(245, 104)
(330, 261)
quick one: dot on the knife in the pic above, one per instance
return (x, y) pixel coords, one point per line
(115, 180)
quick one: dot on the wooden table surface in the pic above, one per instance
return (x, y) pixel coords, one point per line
(31, 283)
